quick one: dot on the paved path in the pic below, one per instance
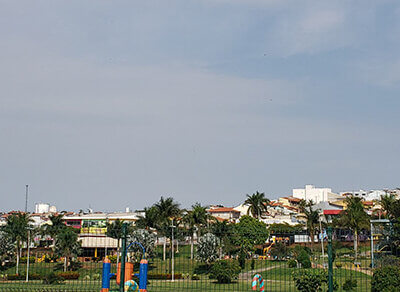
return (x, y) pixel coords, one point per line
(250, 274)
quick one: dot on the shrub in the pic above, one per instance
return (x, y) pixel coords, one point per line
(69, 275)
(292, 263)
(13, 277)
(52, 279)
(164, 276)
(304, 259)
(96, 276)
(385, 278)
(195, 277)
(350, 285)
(224, 271)
(338, 265)
(23, 260)
(112, 258)
(309, 280)
(252, 264)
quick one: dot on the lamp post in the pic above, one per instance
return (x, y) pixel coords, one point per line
(172, 251)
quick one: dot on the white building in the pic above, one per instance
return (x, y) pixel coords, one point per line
(371, 195)
(318, 195)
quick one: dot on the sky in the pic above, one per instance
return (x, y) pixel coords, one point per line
(113, 104)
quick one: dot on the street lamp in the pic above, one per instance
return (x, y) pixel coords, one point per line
(172, 251)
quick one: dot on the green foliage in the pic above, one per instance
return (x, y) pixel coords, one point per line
(279, 251)
(242, 259)
(225, 271)
(7, 247)
(285, 228)
(249, 232)
(311, 215)
(257, 204)
(309, 280)
(385, 278)
(207, 248)
(292, 263)
(24, 260)
(350, 285)
(52, 279)
(67, 244)
(146, 239)
(304, 259)
(70, 275)
(252, 264)
(195, 277)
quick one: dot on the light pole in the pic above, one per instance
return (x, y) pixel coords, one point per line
(172, 251)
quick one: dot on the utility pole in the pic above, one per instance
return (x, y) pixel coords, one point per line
(26, 198)
(322, 242)
(172, 251)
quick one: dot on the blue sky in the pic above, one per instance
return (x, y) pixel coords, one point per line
(115, 103)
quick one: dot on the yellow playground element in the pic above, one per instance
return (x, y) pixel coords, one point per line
(267, 249)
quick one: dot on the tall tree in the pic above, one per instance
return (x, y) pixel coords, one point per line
(16, 228)
(54, 227)
(196, 219)
(311, 215)
(257, 203)
(67, 245)
(149, 219)
(115, 230)
(167, 210)
(355, 218)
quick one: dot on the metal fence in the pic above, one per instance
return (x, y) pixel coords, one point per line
(206, 262)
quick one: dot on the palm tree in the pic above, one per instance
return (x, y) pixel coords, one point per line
(149, 220)
(67, 245)
(17, 226)
(55, 226)
(195, 219)
(257, 203)
(391, 206)
(167, 210)
(354, 217)
(311, 215)
(115, 230)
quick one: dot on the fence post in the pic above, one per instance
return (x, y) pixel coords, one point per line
(123, 258)
(330, 260)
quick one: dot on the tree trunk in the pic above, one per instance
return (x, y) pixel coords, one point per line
(355, 244)
(17, 267)
(65, 263)
(117, 252)
(177, 246)
(164, 248)
(191, 247)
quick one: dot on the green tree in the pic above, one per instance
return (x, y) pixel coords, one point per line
(67, 245)
(250, 232)
(168, 210)
(224, 271)
(224, 231)
(355, 218)
(257, 203)
(146, 239)
(149, 220)
(7, 248)
(207, 248)
(55, 226)
(196, 219)
(279, 251)
(311, 215)
(115, 230)
(16, 228)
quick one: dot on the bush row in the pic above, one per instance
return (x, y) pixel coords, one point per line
(33, 276)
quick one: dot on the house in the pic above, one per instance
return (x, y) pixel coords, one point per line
(224, 213)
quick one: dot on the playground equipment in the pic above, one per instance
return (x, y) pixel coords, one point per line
(267, 249)
(129, 284)
(257, 278)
